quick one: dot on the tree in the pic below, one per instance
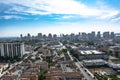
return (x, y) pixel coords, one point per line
(42, 75)
(64, 50)
(105, 77)
(74, 53)
(114, 78)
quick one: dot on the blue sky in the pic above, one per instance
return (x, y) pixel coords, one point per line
(58, 16)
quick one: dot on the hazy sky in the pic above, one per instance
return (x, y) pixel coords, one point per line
(58, 16)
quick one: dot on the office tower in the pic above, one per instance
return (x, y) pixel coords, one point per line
(21, 36)
(98, 35)
(39, 35)
(79, 33)
(49, 35)
(89, 36)
(84, 35)
(79, 36)
(11, 49)
(72, 36)
(106, 35)
(92, 35)
(112, 35)
(54, 36)
(28, 35)
(44, 36)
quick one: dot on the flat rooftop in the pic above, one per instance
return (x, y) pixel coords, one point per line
(90, 52)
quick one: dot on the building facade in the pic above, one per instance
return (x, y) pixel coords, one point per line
(11, 49)
(92, 54)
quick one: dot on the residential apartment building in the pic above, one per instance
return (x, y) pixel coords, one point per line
(11, 49)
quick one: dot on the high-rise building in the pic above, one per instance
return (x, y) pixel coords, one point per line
(44, 36)
(50, 35)
(98, 35)
(93, 35)
(89, 36)
(72, 36)
(79, 35)
(84, 35)
(28, 35)
(21, 36)
(54, 36)
(11, 49)
(39, 35)
(112, 35)
(106, 35)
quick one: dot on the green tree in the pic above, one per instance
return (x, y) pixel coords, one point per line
(105, 77)
(64, 50)
(74, 53)
(41, 75)
(114, 78)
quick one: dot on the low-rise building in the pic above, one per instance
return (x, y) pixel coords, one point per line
(30, 74)
(115, 50)
(92, 54)
(9, 77)
(113, 65)
(3, 67)
(42, 65)
(109, 72)
(57, 74)
(96, 62)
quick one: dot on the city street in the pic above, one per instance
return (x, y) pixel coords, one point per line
(88, 76)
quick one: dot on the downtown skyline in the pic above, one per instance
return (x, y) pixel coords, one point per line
(58, 16)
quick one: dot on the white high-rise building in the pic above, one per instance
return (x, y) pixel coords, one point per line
(12, 49)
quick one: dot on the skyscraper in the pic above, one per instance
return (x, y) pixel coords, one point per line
(106, 35)
(98, 35)
(84, 35)
(93, 35)
(39, 35)
(112, 35)
(21, 36)
(49, 35)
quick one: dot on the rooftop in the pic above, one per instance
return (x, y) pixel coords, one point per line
(90, 52)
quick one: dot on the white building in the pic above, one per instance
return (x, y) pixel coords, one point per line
(114, 66)
(92, 54)
(96, 62)
(11, 49)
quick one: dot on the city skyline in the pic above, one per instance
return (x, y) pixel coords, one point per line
(58, 16)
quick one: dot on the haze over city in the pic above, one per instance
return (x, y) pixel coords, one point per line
(58, 16)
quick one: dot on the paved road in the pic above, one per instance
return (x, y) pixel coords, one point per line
(82, 68)
(88, 77)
